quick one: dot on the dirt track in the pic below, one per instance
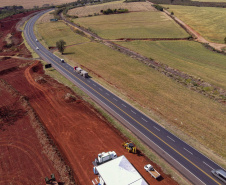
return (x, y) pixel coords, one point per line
(31, 102)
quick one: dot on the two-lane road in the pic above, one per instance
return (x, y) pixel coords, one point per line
(192, 164)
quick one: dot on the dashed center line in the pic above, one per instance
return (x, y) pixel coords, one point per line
(115, 99)
(170, 138)
(208, 165)
(156, 128)
(100, 89)
(133, 112)
(107, 94)
(188, 151)
(144, 119)
(94, 85)
(123, 105)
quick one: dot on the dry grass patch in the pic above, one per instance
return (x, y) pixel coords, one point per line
(95, 9)
(45, 18)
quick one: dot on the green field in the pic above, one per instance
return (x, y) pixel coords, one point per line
(210, 22)
(189, 57)
(221, 1)
(133, 25)
(53, 32)
(171, 104)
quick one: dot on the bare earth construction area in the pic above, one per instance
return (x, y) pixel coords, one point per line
(29, 98)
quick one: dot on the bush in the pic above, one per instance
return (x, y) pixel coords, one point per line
(158, 7)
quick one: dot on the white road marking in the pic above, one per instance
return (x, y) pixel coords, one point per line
(100, 89)
(170, 138)
(94, 85)
(115, 99)
(123, 105)
(188, 151)
(144, 119)
(107, 94)
(156, 128)
(208, 165)
(133, 112)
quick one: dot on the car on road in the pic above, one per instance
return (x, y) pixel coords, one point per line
(37, 48)
(36, 40)
(62, 60)
(220, 174)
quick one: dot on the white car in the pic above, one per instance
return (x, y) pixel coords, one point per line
(36, 40)
(37, 48)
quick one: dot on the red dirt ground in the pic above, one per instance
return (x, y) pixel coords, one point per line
(78, 130)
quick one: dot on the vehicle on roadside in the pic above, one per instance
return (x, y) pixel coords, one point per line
(149, 168)
(220, 174)
(62, 60)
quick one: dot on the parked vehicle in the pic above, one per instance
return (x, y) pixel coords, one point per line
(102, 158)
(130, 147)
(149, 168)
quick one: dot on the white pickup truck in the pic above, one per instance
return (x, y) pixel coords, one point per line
(149, 168)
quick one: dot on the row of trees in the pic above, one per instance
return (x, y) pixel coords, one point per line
(110, 11)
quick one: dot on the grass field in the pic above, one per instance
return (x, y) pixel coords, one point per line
(91, 10)
(31, 3)
(133, 25)
(171, 104)
(54, 31)
(210, 22)
(186, 56)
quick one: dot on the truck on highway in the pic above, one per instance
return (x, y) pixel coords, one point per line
(78, 70)
(149, 168)
(84, 74)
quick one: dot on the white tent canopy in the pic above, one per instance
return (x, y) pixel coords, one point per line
(121, 172)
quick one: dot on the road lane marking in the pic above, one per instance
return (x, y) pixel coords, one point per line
(144, 119)
(88, 80)
(115, 99)
(133, 112)
(156, 128)
(100, 89)
(132, 118)
(208, 165)
(123, 105)
(94, 85)
(107, 94)
(188, 151)
(170, 138)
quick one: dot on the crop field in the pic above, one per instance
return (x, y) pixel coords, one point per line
(57, 31)
(91, 10)
(187, 56)
(31, 3)
(133, 25)
(209, 22)
(171, 104)
(210, 0)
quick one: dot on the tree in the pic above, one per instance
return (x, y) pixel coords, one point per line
(225, 40)
(60, 45)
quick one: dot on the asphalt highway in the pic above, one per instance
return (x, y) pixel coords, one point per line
(189, 162)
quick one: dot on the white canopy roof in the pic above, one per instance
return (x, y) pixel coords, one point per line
(121, 172)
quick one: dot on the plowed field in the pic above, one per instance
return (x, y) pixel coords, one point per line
(75, 127)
